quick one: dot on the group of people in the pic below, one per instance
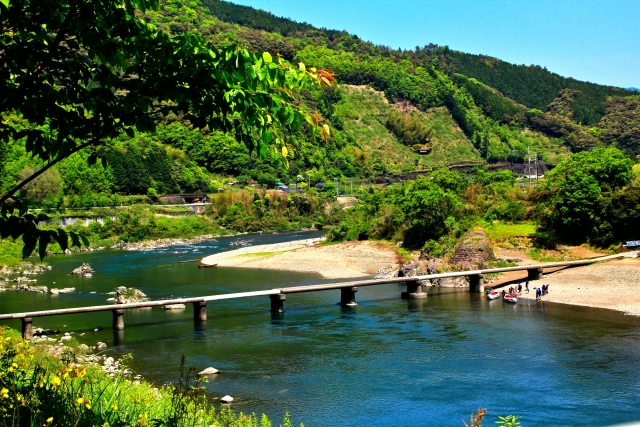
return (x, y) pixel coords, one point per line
(544, 290)
(514, 290)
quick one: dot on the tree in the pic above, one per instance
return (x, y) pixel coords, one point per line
(82, 72)
(573, 195)
(47, 184)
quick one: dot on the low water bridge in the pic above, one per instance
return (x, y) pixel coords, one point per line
(278, 296)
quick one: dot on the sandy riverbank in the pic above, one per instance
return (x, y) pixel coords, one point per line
(613, 285)
(344, 260)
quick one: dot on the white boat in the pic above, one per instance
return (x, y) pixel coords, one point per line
(510, 298)
(493, 294)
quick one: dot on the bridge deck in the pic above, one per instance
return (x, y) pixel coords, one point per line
(299, 289)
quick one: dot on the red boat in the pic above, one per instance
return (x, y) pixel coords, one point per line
(493, 294)
(510, 298)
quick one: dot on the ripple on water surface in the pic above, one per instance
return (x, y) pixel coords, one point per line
(386, 362)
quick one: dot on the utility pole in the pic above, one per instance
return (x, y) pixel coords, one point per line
(529, 172)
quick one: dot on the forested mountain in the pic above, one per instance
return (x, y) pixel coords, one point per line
(532, 86)
(386, 104)
(505, 93)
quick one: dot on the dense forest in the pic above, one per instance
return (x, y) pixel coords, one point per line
(386, 105)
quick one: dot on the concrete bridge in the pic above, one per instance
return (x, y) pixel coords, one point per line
(415, 290)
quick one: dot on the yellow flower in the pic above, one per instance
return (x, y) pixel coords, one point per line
(48, 422)
(56, 381)
(84, 401)
(4, 393)
(79, 373)
(114, 408)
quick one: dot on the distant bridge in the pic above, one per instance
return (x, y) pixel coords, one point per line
(278, 296)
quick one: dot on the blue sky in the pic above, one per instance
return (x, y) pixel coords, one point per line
(596, 41)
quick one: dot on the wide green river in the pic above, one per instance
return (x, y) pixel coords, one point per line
(386, 362)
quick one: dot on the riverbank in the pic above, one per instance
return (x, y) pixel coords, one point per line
(611, 285)
(346, 260)
(614, 285)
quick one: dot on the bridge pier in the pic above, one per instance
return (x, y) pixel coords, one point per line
(200, 311)
(118, 336)
(414, 291)
(118, 320)
(27, 328)
(475, 283)
(348, 296)
(277, 303)
(534, 273)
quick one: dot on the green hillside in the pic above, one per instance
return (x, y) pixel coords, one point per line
(515, 89)
(462, 110)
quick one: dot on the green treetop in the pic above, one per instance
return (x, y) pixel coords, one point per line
(81, 72)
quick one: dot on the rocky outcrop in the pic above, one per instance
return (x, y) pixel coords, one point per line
(473, 252)
(56, 291)
(23, 279)
(28, 288)
(152, 245)
(25, 268)
(387, 272)
(84, 270)
(124, 295)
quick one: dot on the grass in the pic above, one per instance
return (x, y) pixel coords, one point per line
(404, 254)
(500, 230)
(38, 389)
(10, 252)
(366, 122)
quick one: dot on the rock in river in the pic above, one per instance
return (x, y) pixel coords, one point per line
(56, 291)
(84, 270)
(226, 399)
(209, 371)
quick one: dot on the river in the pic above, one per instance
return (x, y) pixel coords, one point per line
(386, 362)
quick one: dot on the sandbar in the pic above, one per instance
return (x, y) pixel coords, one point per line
(345, 260)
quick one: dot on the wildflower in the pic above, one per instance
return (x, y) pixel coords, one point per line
(56, 381)
(84, 401)
(4, 393)
(64, 372)
(79, 373)
(48, 422)
(114, 408)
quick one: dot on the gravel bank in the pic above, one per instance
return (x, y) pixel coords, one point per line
(613, 285)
